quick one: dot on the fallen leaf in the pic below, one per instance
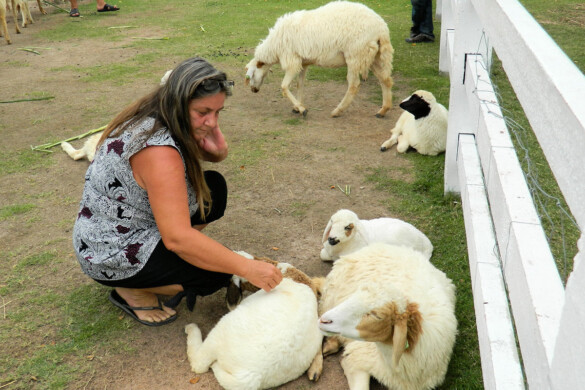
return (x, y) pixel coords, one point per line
(274, 248)
(194, 380)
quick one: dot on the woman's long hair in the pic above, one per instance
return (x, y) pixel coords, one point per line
(169, 106)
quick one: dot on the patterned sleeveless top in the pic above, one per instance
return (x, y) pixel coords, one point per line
(115, 232)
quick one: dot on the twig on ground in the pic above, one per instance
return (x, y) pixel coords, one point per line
(28, 100)
(55, 5)
(47, 146)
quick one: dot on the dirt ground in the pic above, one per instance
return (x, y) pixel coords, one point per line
(278, 206)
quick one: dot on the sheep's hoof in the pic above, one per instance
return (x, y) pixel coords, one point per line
(305, 113)
(295, 111)
(383, 149)
(379, 115)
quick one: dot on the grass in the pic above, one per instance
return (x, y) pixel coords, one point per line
(54, 348)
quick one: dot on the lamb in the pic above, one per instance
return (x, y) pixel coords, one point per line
(423, 125)
(394, 313)
(345, 233)
(270, 338)
(337, 34)
(87, 150)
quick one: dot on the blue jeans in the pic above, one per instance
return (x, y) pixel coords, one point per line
(422, 17)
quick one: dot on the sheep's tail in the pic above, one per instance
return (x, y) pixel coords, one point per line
(382, 65)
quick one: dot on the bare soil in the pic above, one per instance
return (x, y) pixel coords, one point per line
(278, 206)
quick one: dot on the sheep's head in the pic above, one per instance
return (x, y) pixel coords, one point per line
(341, 227)
(256, 71)
(366, 316)
(419, 103)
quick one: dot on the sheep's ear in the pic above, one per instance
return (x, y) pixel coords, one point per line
(326, 232)
(407, 331)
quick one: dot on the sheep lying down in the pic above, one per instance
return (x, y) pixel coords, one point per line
(269, 339)
(394, 314)
(346, 233)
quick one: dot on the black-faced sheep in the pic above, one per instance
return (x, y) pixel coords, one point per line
(394, 312)
(270, 338)
(422, 126)
(346, 233)
(337, 34)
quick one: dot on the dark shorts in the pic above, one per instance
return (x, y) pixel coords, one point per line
(165, 268)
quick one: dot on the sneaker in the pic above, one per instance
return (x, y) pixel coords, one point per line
(420, 38)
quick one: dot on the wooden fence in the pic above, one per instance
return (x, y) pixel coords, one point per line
(531, 328)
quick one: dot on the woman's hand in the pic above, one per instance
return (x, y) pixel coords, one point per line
(263, 275)
(214, 145)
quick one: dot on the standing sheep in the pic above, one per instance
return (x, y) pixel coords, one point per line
(337, 34)
(423, 125)
(346, 233)
(394, 312)
(270, 338)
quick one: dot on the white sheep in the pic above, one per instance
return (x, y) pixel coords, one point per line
(394, 313)
(346, 233)
(340, 33)
(422, 126)
(270, 338)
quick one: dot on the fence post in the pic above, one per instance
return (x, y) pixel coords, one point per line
(466, 40)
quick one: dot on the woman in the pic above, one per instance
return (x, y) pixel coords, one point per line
(146, 200)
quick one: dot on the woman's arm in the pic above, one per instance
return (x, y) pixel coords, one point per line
(160, 171)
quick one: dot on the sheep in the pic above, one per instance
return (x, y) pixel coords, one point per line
(4, 27)
(422, 126)
(346, 233)
(87, 150)
(27, 18)
(394, 314)
(337, 34)
(270, 338)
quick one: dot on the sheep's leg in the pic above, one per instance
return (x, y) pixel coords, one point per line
(15, 15)
(199, 359)
(288, 78)
(75, 154)
(357, 380)
(4, 30)
(41, 7)
(301, 83)
(331, 346)
(353, 85)
(403, 144)
(316, 367)
(389, 142)
(386, 83)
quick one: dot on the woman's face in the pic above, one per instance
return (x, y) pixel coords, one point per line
(204, 114)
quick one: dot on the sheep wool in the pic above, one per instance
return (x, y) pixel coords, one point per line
(270, 338)
(394, 312)
(422, 126)
(340, 33)
(346, 233)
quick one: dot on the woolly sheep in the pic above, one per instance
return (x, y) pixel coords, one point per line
(340, 33)
(270, 338)
(346, 233)
(422, 126)
(394, 312)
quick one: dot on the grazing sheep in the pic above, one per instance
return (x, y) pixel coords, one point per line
(337, 34)
(394, 312)
(4, 27)
(345, 233)
(422, 126)
(269, 339)
(87, 150)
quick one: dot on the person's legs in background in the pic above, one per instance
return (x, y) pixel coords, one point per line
(422, 22)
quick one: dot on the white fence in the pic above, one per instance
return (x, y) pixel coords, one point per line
(531, 329)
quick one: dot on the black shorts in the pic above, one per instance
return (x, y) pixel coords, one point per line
(165, 268)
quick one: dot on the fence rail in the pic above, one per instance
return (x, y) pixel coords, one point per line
(518, 295)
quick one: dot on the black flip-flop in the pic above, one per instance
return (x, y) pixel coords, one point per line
(118, 301)
(74, 13)
(108, 8)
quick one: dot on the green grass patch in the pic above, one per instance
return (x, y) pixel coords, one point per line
(13, 210)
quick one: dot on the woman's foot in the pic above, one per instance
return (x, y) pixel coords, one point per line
(74, 13)
(153, 313)
(107, 8)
